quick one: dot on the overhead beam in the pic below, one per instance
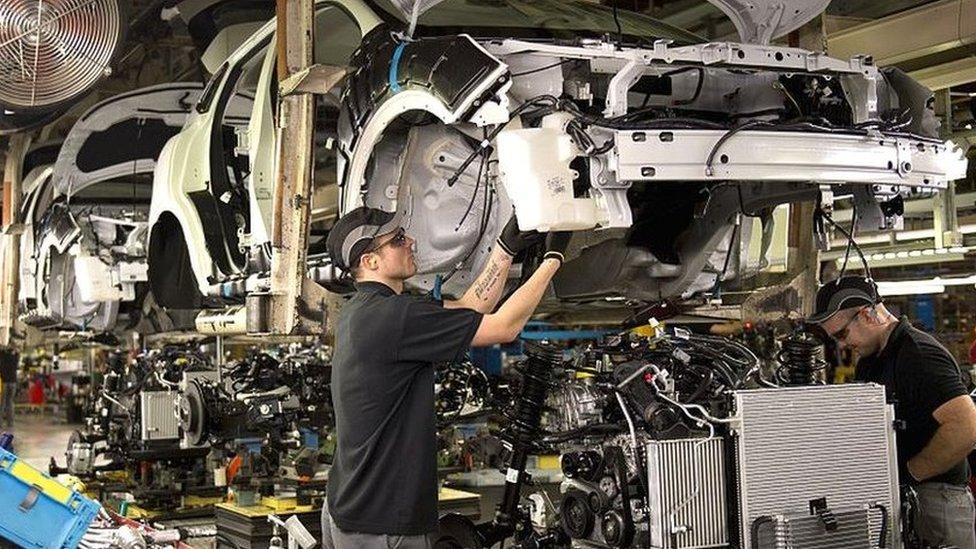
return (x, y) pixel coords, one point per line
(931, 28)
(947, 75)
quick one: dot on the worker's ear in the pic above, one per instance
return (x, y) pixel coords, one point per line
(369, 261)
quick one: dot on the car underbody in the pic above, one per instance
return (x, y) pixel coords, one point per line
(670, 149)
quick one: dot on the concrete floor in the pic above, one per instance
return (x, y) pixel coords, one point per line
(37, 437)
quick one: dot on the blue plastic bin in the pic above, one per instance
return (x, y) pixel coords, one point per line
(38, 511)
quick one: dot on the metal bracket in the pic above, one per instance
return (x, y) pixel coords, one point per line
(871, 215)
(620, 84)
(14, 228)
(315, 79)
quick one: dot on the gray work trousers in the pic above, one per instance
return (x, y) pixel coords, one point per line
(334, 538)
(945, 515)
(7, 395)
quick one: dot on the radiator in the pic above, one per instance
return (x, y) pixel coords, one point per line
(799, 444)
(158, 412)
(687, 501)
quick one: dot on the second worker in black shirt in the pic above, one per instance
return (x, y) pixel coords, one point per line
(382, 489)
(931, 402)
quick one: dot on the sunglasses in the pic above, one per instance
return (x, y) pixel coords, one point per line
(399, 239)
(841, 334)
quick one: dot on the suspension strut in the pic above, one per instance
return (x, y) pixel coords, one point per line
(801, 359)
(522, 434)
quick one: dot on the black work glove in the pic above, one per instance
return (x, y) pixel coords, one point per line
(513, 241)
(556, 244)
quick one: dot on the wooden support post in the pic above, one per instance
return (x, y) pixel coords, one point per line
(945, 216)
(10, 238)
(293, 188)
(803, 257)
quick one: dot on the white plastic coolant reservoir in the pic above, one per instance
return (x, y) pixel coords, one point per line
(534, 168)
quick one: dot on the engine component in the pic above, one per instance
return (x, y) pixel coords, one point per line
(80, 456)
(460, 389)
(583, 465)
(197, 406)
(687, 501)
(159, 422)
(575, 406)
(576, 514)
(843, 530)
(260, 397)
(132, 427)
(781, 440)
(669, 442)
(801, 359)
(604, 508)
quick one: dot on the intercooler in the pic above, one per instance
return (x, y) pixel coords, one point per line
(158, 412)
(847, 530)
(795, 446)
(686, 480)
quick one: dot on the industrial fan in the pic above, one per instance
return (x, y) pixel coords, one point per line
(51, 53)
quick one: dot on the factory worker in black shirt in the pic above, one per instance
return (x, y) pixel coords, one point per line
(923, 381)
(382, 489)
(9, 362)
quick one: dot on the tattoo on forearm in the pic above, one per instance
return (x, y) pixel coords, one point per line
(485, 282)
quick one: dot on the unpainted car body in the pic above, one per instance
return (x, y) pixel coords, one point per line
(83, 257)
(210, 216)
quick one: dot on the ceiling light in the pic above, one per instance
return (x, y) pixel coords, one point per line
(935, 285)
(910, 287)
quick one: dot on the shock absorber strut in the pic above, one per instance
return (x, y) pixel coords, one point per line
(801, 359)
(522, 433)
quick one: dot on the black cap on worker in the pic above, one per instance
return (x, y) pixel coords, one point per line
(844, 293)
(352, 234)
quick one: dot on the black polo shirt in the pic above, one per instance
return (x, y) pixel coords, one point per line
(384, 474)
(919, 375)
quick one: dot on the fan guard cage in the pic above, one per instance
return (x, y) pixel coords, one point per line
(52, 51)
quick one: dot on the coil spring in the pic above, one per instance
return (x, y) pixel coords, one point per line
(536, 372)
(801, 359)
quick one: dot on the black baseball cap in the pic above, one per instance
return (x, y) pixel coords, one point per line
(844, 293)
(354, 232)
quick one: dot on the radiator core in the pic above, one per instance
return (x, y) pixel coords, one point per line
(157, 410)
(687, 483)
